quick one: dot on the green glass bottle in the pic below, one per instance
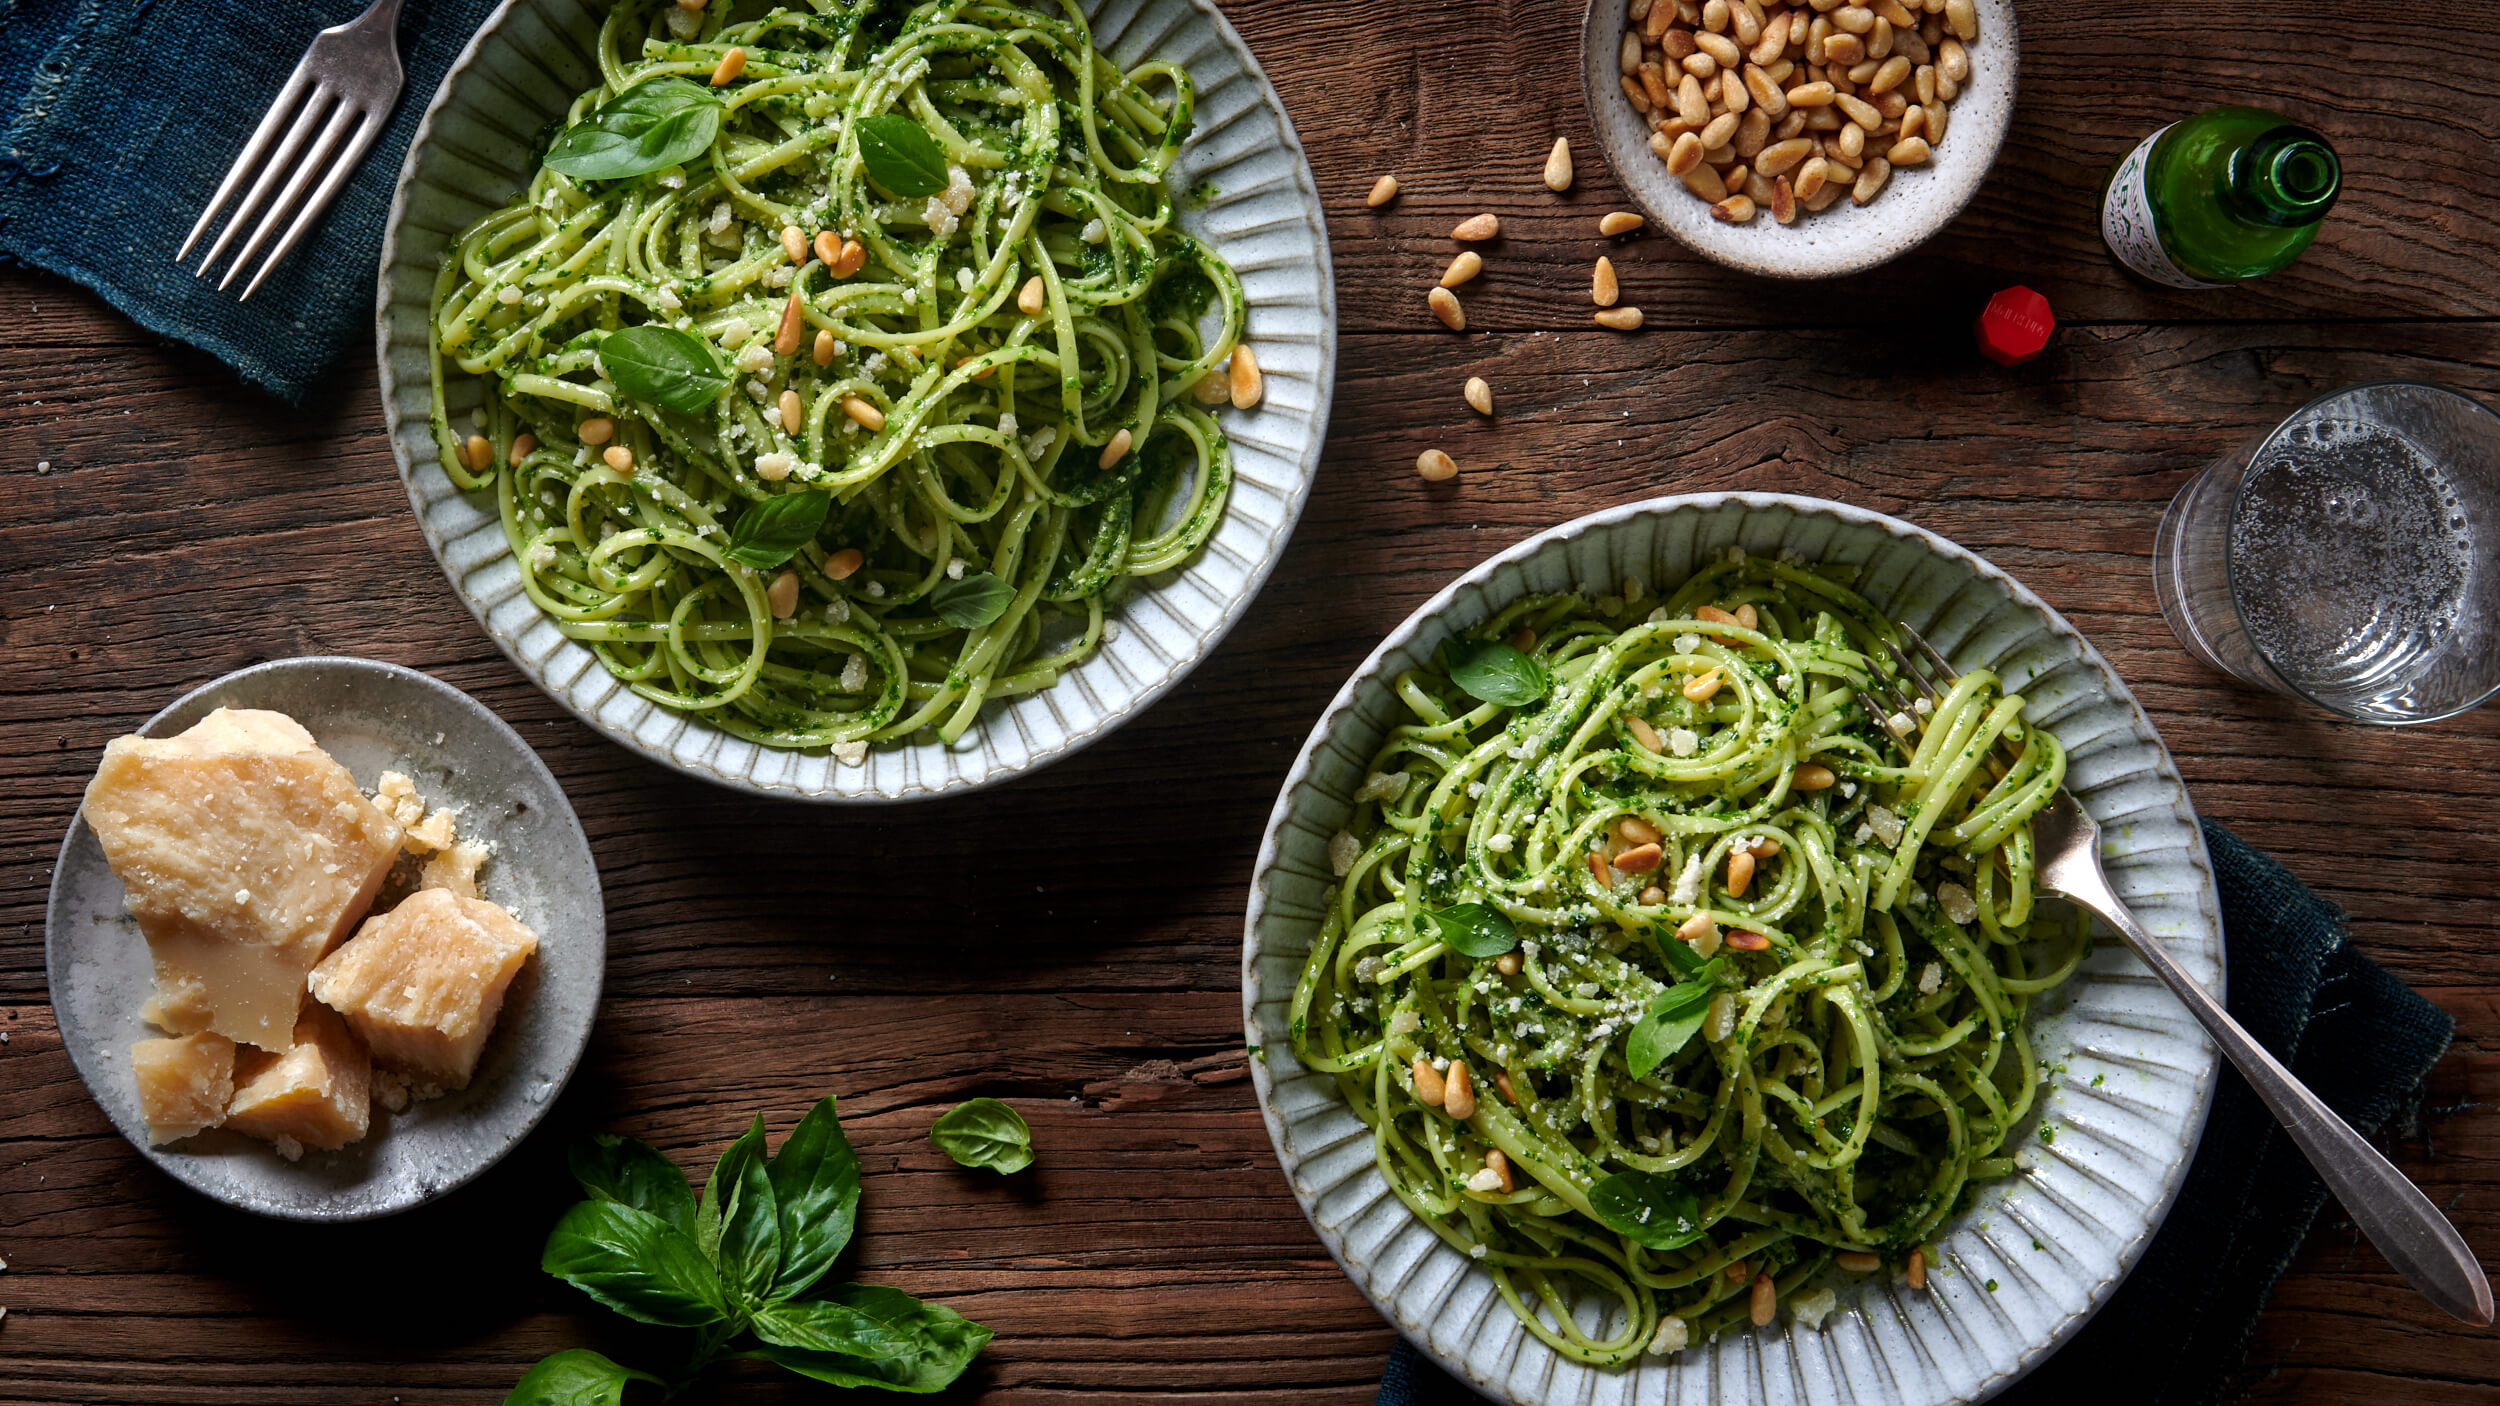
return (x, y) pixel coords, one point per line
(2228, 195)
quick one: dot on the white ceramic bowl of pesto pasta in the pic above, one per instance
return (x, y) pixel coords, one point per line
(1254, 203)
(2127, 1076)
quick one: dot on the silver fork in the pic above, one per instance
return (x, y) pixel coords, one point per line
(2390, 1209)
(323, 122)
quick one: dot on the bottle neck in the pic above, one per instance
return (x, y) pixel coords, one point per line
(2286, 178)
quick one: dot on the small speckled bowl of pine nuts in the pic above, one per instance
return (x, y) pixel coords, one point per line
(1800, 138)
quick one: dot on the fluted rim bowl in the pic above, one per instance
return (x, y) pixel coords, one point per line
(1845, 238)
(2128, 1073)
(522, 69)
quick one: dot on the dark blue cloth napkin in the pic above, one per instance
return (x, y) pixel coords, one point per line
(121, 116)
(2176, 1331)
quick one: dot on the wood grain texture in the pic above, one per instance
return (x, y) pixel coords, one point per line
(1071, 942)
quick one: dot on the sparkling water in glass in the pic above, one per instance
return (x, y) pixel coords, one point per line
(2350, 558)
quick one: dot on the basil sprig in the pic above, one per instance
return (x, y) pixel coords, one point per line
(1473, 929)
(901, 155)
(1671, 1021)
(984, 1132)
(740, 1259)
(771, 532)
(1650, 1208)
(664, 366)
(648, 127)
(973, 601)
(1496, 673)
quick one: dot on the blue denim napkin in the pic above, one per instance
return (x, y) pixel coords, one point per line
(122, 115)
(2176, 1331)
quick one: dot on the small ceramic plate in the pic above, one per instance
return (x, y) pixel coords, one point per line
(373, 718)
(1845, 238)
(524, 69)
(2127, 1075)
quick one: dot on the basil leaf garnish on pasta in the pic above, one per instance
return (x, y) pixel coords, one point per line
(648, 127)
(1648, 1208)
(1496, 672)
(972, 602)
(1671, 1021)
(771, 532)
(901, 155)
(664, 366)
(1474, 929)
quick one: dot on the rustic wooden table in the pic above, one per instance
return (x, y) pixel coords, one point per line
(1071, 942)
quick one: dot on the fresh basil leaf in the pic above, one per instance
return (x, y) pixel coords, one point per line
(1682, 957)
(1673, 1018)
(664, 366)
(1473, 929)
(901, 155)
(633, 1173)
(738, 1212)
(1650, 1208)
(575, 1377)
(635, 1263)
(983, 1132)
(815, 1179)
(1496, 673)
(870, 1335)
(972, 602)
(648, 127)
(772, 531)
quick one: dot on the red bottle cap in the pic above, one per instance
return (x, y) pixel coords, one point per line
(2014, 327)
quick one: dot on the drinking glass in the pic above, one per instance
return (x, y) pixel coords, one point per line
(2351, 557)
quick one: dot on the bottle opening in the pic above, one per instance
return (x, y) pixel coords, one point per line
(2306, 172)
(2287, 177)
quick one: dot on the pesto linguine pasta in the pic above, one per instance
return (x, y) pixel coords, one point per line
(837, 360)
(1658, 970)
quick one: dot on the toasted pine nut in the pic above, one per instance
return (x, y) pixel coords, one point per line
(1818, 93)
(1248, 383)
(730, 66)
(1645, 735)
(1699, 928)
(1892, 74)
(1923, 81)
(1479, 395)
(1813, 776)
(1748, 617)
(619, 458)
(1602, 287)
(1706, 183)
(1783, 201)
(1871, 180)
(825, 347)
(1721, 49)
(1615, 222)
(1853, 19)
(1116, 450)
(1763, 846)
(1744, 941)
(1714, 15)
(1912, 151)
(1712, 615)
(1721, 130)
(1435, 466)
(1458, 1093)
(854, 258)
(1732, 92)
(1773, 40)
(1445, 307)
(1810, 177)
(1858, 1261)
(1507, 964)
(844, 564)
(1523, 639)
(783, 595)
(1935, 125)
(1653, 896)
(1879, 39)
(794, 243)
(828, 247)
(793, 322)
(1700, 687)
(1963, 16)
(1501, 1080)
(523, 445)
(1620, 319)
(1628, 54)
(1467, 265)
(792, 412)
(1916, 1272)
(1635, 831)
(1739, 872)
(866, 416)
(1558, 166)
(1382, 192)
(1429, 1085)
(1953, 61)
(1494, 1161)
(1753, 133)
(1913, 124)
(1843, 50)
(1767, 97)
(1766, 1301)
(1600, 870)
(477, 451)
(1476, 227)
(1779, 158)
(1738, 1272)
(1859, 110)
(1032, 297)
(1639, 859)
(595, 431)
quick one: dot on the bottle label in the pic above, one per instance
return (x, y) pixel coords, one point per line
(2127, 223)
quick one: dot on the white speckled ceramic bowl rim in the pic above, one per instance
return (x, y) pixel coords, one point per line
(2091, 1200)
(518, 73)
(1845, 238)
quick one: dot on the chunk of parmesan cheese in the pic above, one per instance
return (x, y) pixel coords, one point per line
(423, 983)
(185, 1083)
(317, 1094)
(1811, 1309)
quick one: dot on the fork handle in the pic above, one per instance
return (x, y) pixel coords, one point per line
(2390, 1209)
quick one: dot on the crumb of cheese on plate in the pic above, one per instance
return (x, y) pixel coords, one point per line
(246, 854)
(316, 1095)
(185, 1083)
(423, 983)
